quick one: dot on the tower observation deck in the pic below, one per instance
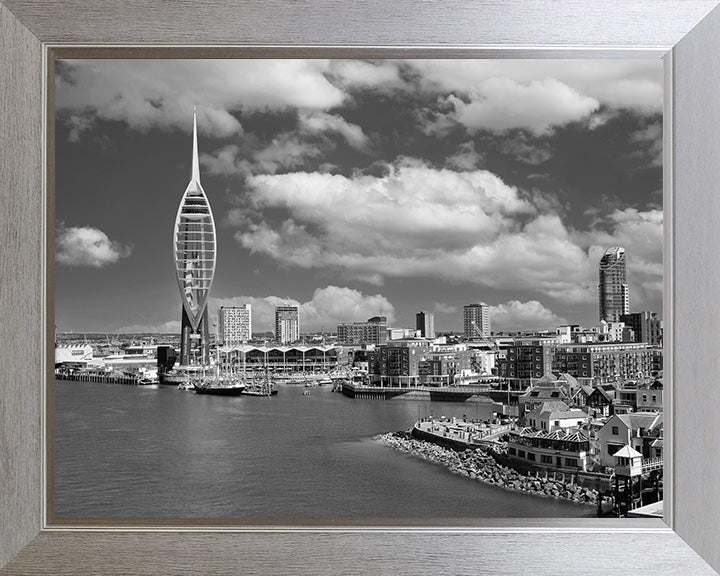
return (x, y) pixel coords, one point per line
(195, 253)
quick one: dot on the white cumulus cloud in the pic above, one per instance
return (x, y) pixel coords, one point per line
(461, 227)
(378, 74)
(502, 104)
(161, 93)
(539, 94)
(320, 122)
(491, 94)
(87, 246)
(413, 207)
(417, 222)
(327, 307)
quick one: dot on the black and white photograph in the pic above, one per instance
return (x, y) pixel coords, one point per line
(294, 291)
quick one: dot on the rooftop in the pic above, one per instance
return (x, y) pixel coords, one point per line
(645, 420)
(572, 436)
(627, 452)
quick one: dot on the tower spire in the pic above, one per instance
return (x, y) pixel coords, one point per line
(195, 161)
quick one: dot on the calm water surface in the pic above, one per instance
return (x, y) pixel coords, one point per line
(130, 452)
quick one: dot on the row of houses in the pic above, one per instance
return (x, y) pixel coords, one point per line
(570, 440)
(528, 360)
(567, 426)
(602, 399)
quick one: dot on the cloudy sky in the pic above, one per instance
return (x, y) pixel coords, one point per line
(355, 187)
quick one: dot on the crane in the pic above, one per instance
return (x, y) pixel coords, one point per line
(494, 347)
(484, 339)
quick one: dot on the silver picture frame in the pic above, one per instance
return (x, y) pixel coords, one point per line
(684, 33)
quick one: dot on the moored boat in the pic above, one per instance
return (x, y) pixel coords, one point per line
(259, 391)
(218, 389)
(264, 387)
(147, 382)
(215, 382)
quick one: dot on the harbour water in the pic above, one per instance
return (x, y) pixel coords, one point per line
(132, 452)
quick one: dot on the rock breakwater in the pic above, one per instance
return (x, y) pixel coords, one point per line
(480, 465)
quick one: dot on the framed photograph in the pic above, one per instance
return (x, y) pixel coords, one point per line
(436, 307)
(322, 310)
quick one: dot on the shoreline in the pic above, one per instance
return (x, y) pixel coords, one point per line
(481, 466)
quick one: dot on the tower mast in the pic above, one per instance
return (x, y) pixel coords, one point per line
(195, 251)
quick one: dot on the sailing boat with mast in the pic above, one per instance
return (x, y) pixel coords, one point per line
(266, 387)
(219, 382)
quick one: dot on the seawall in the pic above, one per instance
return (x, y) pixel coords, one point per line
(481, 466)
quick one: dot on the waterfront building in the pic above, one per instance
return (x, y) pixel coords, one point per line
(73, 353)
(235, 324)
(445, 365)
(283, 359)
(397, 363)
(195, 252)
(604, 362)
(482, 361)
(374, 331)
(553, 416)
(287, 324)
(425, 324)
(562, 450)
(646, 326)
(476, 320)
(613, 291)
(638, 430)
(526, 361)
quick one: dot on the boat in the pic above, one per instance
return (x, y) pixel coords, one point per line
(218, 389)
(259, 391)
(265, 387)
(147, 382)
(173, 377)
(215, 383)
